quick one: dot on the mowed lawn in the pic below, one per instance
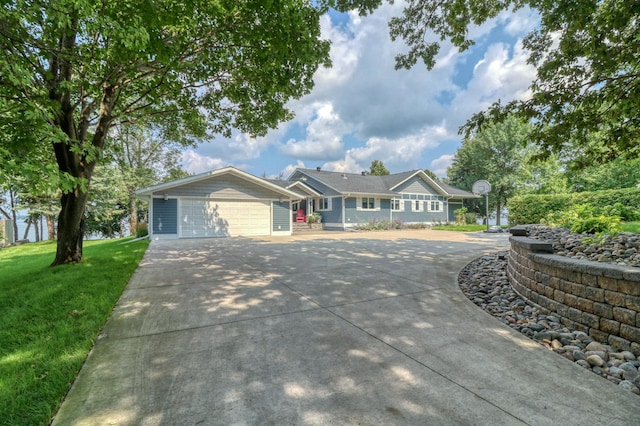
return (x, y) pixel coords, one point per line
(50, 318)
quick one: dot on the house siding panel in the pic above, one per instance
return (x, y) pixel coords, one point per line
(335, 214)
(453, 206)
(316, 185)
(416, 185)
(223, 187)
(354, 216)
(408, 216)
(165, 216)
(281, 216)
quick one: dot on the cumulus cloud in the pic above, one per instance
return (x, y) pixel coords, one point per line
(323, 136)
(290, 168)
(439, 165)
(195, 163)
(362, 109)
(402, 153)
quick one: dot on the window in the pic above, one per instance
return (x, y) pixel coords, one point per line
(368, 203)
(417, 206)
(294, 206)
(435, 206)
(324, 204)
(397, 205)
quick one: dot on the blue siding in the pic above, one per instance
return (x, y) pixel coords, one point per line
(453, 206)
(335, 214)
(416, 185)
(355, 216)
(425, 216)
(281, 216)
(165, 216)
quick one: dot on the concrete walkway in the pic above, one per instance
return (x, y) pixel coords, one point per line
(333, 329)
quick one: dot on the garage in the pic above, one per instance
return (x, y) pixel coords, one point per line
(223, 218)
(221, 203)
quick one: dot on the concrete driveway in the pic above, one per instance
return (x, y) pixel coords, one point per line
(333, 329)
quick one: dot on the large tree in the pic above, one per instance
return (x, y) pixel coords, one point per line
(142, 159)
(587, 55)
(378, 169)
(495, 154)
(71, 70)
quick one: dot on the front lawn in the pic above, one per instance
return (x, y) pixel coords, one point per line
(50, 319)
(631, 227)
(461, 228)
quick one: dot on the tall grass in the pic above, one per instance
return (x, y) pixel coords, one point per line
(50, 318)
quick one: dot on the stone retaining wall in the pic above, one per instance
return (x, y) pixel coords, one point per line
(600, 299)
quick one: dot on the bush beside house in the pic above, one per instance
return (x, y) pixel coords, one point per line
(539, 208)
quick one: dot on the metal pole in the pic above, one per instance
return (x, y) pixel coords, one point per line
(487, 203)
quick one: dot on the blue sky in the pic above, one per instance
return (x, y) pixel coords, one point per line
(362, 109)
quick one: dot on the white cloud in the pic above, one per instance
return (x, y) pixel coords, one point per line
(290, 168)
(323, 136)
(403, 153)
(439, 165)
(195, 163)
(502, 74)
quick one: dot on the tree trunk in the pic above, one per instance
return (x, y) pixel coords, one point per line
(498, 212)
(133, 218)
(34, 220)
(51, 226)
(71, 227)
(13, 213)
(26, 231)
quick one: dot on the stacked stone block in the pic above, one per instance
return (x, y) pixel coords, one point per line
(600, 299)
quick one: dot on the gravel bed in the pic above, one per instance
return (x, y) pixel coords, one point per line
(484, 281)
(621, 249)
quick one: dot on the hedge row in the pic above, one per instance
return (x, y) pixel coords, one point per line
(532, 208)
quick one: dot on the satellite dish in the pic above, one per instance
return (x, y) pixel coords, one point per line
(481, 187)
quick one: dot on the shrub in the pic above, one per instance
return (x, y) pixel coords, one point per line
(461, 215)
(141, 230)
(597, 225)
(534, 208)
(471, 218)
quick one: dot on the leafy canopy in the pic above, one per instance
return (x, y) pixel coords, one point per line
(587, 55)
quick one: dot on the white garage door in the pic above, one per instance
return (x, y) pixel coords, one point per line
(214, 218)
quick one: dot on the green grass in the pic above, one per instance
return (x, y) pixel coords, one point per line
(50, 318)
(460, 228)
(631, 227)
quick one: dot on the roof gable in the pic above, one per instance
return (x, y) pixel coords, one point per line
(264, 183)
(348, 183)
(354, 183)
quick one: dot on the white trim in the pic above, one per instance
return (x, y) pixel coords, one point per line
(329, 204)
(419, 203)
(376, 204)
(400, 204)
(141, 193)
(439, 206)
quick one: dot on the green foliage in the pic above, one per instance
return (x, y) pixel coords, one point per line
(315, 217)
(471, 218)
(617, 174)
(72, 70)
(630, 227)
(461, 215)
(142, 230)
(497, 155)
(382, 225)
(586, 54)
(50, 319)
(460, 228)
(535, 208)
(378, 169)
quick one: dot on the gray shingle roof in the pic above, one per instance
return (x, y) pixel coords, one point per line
(354, 183)
(351, 183)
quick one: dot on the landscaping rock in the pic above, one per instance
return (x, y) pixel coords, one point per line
(484, 282)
